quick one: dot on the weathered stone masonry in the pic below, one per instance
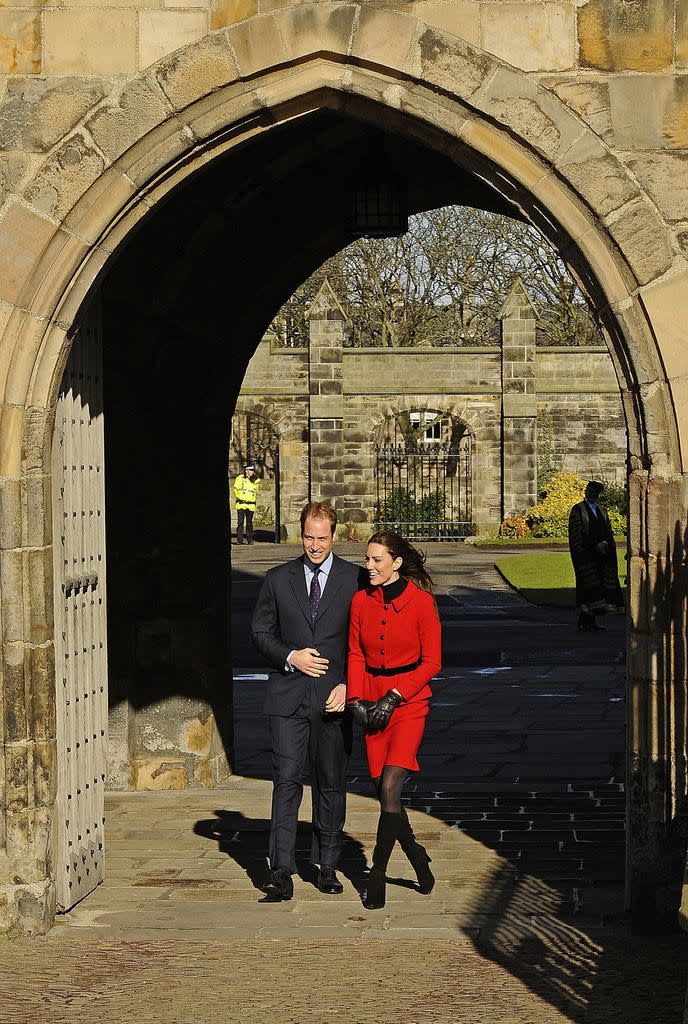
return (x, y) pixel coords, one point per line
(574, 112)
(507, 396)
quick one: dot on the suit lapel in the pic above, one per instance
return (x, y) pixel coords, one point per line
(297, 578)
(333, 585)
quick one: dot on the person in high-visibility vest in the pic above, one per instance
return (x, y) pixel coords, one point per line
(246, 494)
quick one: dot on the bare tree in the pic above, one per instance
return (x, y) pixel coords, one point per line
(443, 283)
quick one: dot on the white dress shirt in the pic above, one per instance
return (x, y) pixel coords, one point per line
(322, 578)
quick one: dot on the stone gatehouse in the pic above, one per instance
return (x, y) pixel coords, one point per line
(165, 165)
(316, 415)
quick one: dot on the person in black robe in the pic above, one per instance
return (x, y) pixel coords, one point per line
(593, 553)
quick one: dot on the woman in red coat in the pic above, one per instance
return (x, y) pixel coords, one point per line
(394, 651)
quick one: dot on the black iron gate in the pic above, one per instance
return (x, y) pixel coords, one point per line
(427, 494)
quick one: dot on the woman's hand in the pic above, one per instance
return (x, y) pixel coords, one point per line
(359, 711)
(381, 712)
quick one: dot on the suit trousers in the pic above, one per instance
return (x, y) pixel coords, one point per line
(309, 736)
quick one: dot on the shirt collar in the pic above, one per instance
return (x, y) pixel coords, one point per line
(324, 568)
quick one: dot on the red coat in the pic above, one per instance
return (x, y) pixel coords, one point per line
(390, 634)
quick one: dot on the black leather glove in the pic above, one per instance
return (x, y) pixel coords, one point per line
(359, 711)
(381, 711)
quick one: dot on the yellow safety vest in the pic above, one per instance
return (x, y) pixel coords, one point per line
(245, 492)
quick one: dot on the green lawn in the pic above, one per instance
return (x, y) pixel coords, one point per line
(545, 578)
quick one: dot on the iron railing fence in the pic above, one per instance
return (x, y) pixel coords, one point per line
(427, 494)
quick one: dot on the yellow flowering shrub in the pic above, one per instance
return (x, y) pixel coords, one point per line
(514, 526)
(550, 517)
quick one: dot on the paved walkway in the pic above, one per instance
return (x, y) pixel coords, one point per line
(520, 802)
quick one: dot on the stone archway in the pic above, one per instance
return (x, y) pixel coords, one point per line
(533, 149)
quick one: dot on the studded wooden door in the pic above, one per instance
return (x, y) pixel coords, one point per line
(80, 614)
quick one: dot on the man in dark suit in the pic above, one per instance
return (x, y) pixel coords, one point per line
(300, 626)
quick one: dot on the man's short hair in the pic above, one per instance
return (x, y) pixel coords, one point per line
(595, 486)
(319, 510)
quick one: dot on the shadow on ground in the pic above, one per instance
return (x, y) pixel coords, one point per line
(524, 754)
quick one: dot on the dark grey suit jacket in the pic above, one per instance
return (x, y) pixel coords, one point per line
(282, 624)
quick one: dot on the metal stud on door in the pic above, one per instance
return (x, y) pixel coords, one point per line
(80, 614)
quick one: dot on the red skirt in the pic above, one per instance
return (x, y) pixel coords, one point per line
(398, 744)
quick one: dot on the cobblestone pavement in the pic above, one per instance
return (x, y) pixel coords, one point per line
(520, 801)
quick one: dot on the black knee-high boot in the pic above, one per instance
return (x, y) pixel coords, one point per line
(417, 855)
(387, 832)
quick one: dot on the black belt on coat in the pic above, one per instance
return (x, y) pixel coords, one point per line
(399, 670)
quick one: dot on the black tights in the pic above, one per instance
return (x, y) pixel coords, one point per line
(389, 786)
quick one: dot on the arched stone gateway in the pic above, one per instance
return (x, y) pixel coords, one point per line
(536, 128)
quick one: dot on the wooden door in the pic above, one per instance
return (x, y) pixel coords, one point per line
(80, 614)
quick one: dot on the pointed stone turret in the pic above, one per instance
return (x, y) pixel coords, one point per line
(518, 304)
(326, 305)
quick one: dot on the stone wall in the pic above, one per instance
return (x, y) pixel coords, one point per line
(574, 408)
(574, 111)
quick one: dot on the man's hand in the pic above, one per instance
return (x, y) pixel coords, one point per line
(602, 548)
(308, 661)
(337, 699)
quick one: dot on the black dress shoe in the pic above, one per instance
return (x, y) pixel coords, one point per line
(329, 883)
(279, 885)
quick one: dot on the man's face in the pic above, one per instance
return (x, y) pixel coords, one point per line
(249, 473)
(592, 494)
(317, 539)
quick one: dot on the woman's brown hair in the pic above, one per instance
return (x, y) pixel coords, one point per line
(412, 560)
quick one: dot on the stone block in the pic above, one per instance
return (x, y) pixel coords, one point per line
(532, 37)
(14, 696)
(10, 514)
(17, 772)
(197, 736)
(197, 70)
(16, 170)
(37, 113)
(162, 32)
(38, 577)
(18, 834)
(65, 177)
(589, 100)
(228, 12)
(617, 36)
(138, 110)
(257, 44)
(41, 709)
(44, 774)
(23, 237)
(11, 587)
(383, 37)
(642, 239)
(80, 42)
(448, 62)
(20, 42)
(460, 18)
(682, 35)
(598, 176)
(665, 176)
(317, 27)
(157, 774)
(532, 112)
(204, 773)
(666, 304)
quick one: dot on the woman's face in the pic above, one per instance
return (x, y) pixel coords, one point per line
(382, 568)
